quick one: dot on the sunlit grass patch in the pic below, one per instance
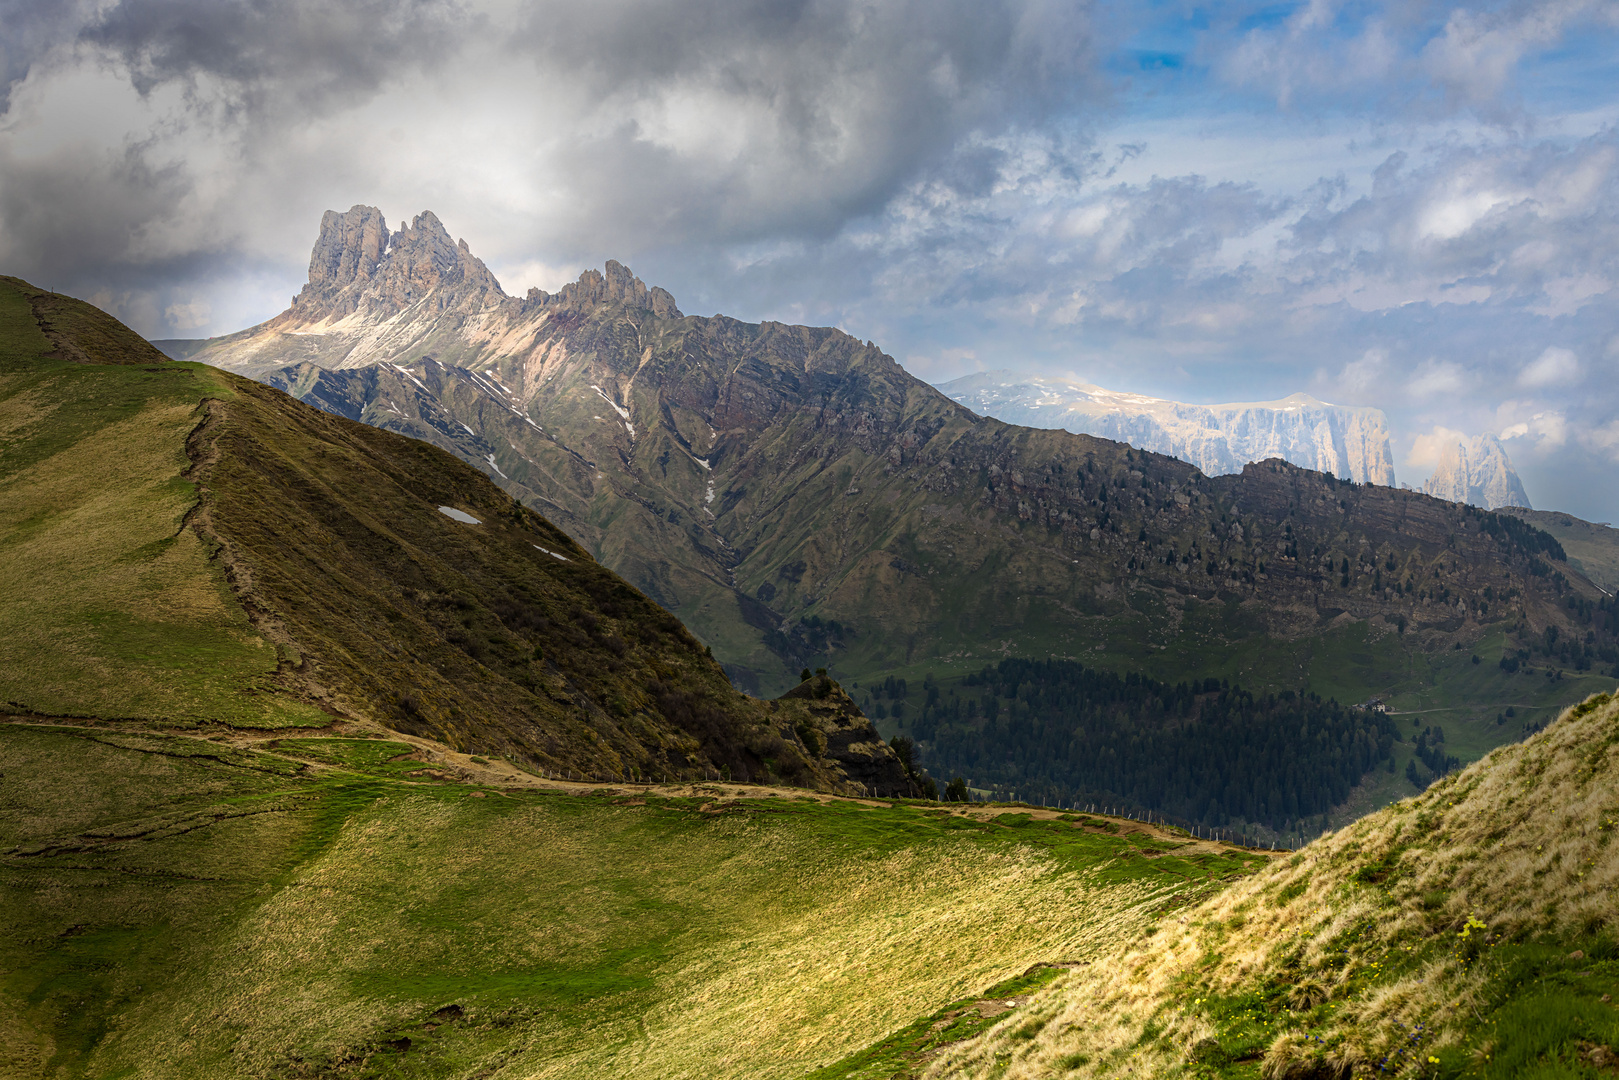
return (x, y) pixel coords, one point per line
(1433, 938)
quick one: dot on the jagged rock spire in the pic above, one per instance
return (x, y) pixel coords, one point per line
(358, 265)
(616, 286)
(349, 248)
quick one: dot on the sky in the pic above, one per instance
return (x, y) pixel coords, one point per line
(1413, 206)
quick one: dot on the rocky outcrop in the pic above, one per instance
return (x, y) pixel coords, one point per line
(827, 715)
(1479, 472)
(348, 251)
(1343, 441)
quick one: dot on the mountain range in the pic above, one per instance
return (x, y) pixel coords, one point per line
(796, 497)
(1343, 441)
(321, 755)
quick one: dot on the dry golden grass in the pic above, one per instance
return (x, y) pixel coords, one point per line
(1372, 920)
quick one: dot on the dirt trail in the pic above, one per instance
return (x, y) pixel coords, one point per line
(447, 764)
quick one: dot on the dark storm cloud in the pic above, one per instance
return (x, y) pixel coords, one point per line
(730, 120)
(124, 212)
(653, 124)
(81, 208)
(31, 28)
(311, 51)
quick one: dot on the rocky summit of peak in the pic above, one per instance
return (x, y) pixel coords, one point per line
(360, 268)
(1477, 470)
(616, 286)
(376, 296)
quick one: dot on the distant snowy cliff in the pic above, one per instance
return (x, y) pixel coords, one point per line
(1350, 443)
(1477, 471)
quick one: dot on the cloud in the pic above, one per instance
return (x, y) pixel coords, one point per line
(1554, 367)
(1427, 448)
(225, 127)
(1476, 55)
(1365, 376)
(1417, 56)
(188, 316)
(1548, 429)
(1604, 440)
(261, 57)
(1435, 377)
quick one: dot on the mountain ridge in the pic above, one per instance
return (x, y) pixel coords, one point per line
(1349, 442)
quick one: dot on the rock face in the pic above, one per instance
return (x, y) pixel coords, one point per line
(1477, 471)
(359, 268)
(798, 499)
(1343, 441)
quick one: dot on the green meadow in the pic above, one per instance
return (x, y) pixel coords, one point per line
(182, 906)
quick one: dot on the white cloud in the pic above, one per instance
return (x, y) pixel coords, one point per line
(1434, 377)
(1477, 54)
(1545, 429)
(1555, 366)
(1427, 448)
(1604, 439)
(518, 277)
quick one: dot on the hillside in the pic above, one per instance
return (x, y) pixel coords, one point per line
(1466, 932)
(188, 547)
(349, 903)
(797, 498)
(1593, 549)
(1344, 441)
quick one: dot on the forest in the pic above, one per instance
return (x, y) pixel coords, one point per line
(1202, 752)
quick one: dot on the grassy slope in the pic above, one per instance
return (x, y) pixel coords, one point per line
(301, 907)
(110, 606)
(1466, 932)
(1592, 548)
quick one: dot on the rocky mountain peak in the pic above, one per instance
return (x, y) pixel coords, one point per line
(359, 266)
(1477, 471)
(617, 286)
(1348, 442)
(349, 247)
